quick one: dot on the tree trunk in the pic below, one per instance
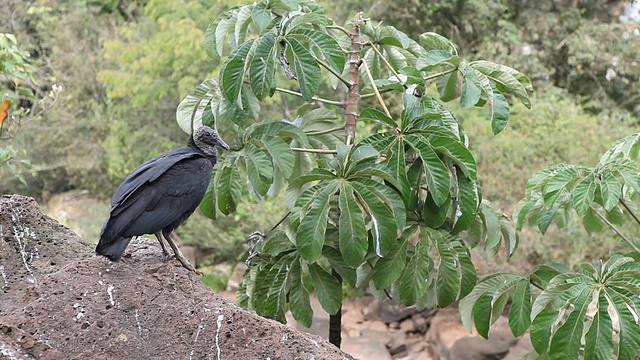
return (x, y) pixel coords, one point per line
(335, 321)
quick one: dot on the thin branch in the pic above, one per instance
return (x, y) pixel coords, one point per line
(433, 76)
(615, 229)
(7, 160)
(317, 151)
(338, 27)
(366, 96)
(331, 70)
(635, 217)
(315, 98)
(564, 41)
(281, 221)
(327, 131)
(384, 60)
(536, 285)
(375, 89)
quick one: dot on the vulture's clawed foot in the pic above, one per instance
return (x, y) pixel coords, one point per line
(187, 265)
(168, 257)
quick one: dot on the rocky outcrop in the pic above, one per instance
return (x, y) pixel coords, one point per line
(59, 300)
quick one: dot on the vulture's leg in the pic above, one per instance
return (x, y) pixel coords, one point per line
(178, 253)
(164, 248)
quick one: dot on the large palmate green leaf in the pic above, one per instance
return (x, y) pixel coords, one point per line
(272, 286)
(306, 69)
(594, 193)
(322, 45)
(229, 185)
(313, 225)
(456, 275)
(233, 71)
(499, 111)
(363, 205)
(487, 287)
(438, 42)
(191, 109)
(625, 148)
(471, 88)
(386, 212)
(436, 173)
(263, 66)
(506, 79)
(218, 31)
(224, 191)
(413, 280)
(299, 301)
(575, 306)
(327, 289)
(520, 312)
(389, 268)
(259, 169)
(353, 234)
(261, 17)
(493, 228)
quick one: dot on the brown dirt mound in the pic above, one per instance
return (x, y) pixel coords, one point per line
(59, 300)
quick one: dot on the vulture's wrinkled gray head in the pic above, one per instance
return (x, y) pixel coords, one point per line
(206, 139)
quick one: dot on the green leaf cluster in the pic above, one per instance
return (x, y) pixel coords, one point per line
(590, 313)
(396, 211)
(600, 194)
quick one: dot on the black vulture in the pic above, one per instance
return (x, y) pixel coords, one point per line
(160, 194)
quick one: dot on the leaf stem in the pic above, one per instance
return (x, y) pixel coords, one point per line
(365, 96)
(328, 131)
(536, 285)
(331, 70)
(316, 151)
(634, 216)
(433, 76)
(615, 229)
(375, 88)
(384, 60)
(315, 98)
(281, 221)
(338, 27)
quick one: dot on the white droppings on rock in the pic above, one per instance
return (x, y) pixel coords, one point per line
(110, 292)
(315, 343)
(193, 348)
(4, 276)
(8, 352)
(219, 323)
(138, 322)
(42, 339)
(285, 338)
(20, 233)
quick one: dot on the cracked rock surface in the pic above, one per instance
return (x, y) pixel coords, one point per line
(58, 300)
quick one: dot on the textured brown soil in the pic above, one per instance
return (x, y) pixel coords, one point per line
(61, 301)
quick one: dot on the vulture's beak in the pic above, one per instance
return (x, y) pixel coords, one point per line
(223, 144)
